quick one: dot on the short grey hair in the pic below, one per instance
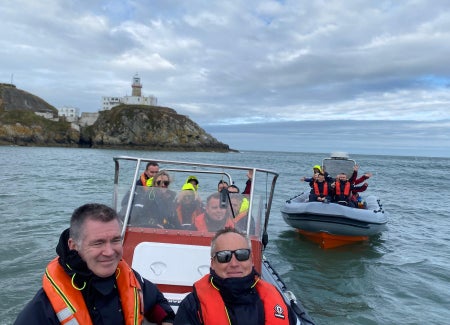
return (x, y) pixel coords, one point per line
(227, 230)
(90, 211)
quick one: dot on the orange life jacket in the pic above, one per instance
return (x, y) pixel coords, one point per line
(143, 179)
(195, 213)
(213, 309)
(200, 223)
(68, 302)
(239, 217)
(346, 188)
(317, 191)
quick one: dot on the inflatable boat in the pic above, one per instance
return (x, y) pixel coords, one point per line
(331, 224)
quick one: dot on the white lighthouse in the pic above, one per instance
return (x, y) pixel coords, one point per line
(136, 97)
(136, 86)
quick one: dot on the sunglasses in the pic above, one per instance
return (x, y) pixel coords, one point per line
(225, 256)
(166, 183)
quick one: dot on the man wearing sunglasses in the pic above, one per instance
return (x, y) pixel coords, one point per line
(233, 292)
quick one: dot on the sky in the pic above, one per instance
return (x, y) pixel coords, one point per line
(358, 76)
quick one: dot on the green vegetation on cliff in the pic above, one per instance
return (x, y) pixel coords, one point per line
(12, 98)
(25, 128)
(152, 128)
(124, 126)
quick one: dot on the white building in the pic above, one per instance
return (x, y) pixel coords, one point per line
(71, 113)
(87, 119)
(110, 102)
(136, 97)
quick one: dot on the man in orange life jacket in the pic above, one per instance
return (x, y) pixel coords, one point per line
(343, 190)
(214, 217)
(146, 178)
(233, 292)
(321, 190)
(89, 283)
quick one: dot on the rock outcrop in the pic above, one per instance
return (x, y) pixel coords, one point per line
(124, 126)
(148, 127)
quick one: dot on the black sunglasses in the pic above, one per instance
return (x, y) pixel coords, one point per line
(225, 256)
(166, 183)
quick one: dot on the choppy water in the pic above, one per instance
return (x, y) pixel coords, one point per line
(400, 277)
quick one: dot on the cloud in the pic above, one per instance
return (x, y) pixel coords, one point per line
(236, 62)
(380, 137)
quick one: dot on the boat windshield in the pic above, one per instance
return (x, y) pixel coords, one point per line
(192, 210)
(335, 166)
(163, 208)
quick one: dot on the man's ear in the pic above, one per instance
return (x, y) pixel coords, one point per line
(72, 244)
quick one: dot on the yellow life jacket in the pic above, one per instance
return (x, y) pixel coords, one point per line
(149, 182)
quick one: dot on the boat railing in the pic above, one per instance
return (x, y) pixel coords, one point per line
(128, 170)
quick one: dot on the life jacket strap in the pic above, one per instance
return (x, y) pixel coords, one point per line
(64, 315)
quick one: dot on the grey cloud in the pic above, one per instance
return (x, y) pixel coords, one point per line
(230, 62)
(362, 137)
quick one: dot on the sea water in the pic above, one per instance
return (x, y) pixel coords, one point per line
(399, 277)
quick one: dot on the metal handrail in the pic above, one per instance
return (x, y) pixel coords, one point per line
(217, 167)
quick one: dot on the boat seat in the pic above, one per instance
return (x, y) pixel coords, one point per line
(171, 264)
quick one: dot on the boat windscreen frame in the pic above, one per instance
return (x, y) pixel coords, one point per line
(256, 171)
(333, 172)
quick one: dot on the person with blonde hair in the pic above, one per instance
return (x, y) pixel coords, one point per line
(160, 205)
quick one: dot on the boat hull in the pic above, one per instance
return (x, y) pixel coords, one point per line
(326, 240)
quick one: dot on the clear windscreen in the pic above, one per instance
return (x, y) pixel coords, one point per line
(187, 210)
(193, 212)
(336, 166)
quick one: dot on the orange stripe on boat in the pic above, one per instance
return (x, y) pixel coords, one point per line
(326, 240)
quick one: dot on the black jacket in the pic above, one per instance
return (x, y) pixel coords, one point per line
(100, 294)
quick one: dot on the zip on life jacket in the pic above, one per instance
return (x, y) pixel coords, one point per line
(69, 305)
(213, 309)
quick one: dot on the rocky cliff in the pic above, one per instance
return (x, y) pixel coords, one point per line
(148, 127)
(125, 126)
